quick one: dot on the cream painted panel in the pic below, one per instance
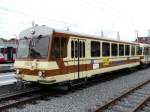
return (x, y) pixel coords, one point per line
(60, 78)
(47, 65)
(100, 60)
(30, 78)
(103, 70)
(135, 57)
(36, 65)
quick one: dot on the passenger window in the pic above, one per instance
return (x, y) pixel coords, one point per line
(127, 50)
(145, 51)
(76, 49)
(59, 47)
(95, 49)
(138, 50)
(106, 49)
(121, 49)
(72, 49)
(114, 49)
(133, 50)
(2, 50)
(83, 49)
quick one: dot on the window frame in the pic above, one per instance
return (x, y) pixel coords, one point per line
(112, 50)
(137, 53)
(98, 43)
(120, 53)
(81, 44)
(60, 47)
(125, 49)
(132, 50)
(109, 43)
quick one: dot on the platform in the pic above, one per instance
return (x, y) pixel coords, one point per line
(5, 67)
(7, 78)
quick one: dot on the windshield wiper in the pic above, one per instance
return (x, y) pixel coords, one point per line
(26, 38)
(39, 37)
(34, 53)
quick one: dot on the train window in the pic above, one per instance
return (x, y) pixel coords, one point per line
(133, 50)
(138, 50)
(5, 50)
(56, 48)
(121, 49)
(83, 49)
(76, 49)
(59, 47)
(39, 47)
(127, 50)
(23, 49)
(14, 50)
(72, 49)
(114, 49)
(63, 48)
(105, 49)
(2, 50)
(95, 49)
(146, 51)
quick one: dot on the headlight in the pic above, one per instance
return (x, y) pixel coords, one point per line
(40, 73)
(17, 71)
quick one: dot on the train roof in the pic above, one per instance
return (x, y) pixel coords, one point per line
(45, 30)
(91, 36)
(35, 31)
(144, 45)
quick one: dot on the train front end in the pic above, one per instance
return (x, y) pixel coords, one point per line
(32, 63)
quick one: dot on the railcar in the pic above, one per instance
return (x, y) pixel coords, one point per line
(9, 52)
(146, 54)
(2, 59)
(49, 56)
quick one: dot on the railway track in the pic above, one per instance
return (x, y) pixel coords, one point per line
(132, 100)
(19, 97)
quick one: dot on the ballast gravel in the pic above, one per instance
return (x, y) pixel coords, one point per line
(86, 99)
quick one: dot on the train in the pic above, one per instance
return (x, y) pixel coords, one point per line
(7, 53)
(51, 56)
(2, 59)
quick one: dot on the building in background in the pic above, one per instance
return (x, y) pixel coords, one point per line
(10, 41)
(143, 40)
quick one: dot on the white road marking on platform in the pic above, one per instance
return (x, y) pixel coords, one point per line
(7, 75)
(7, 82)
(3, 65)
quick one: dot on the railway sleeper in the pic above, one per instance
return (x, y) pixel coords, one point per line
(126, 105)
(135, 98)
(118, 108)
(127, 102)
(147, 108)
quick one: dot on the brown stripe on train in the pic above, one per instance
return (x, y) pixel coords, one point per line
(74, 68)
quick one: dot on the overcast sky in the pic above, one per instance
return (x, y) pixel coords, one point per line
(84, 16)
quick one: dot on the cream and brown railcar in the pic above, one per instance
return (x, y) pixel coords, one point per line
(50, 56)
(146, 54)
